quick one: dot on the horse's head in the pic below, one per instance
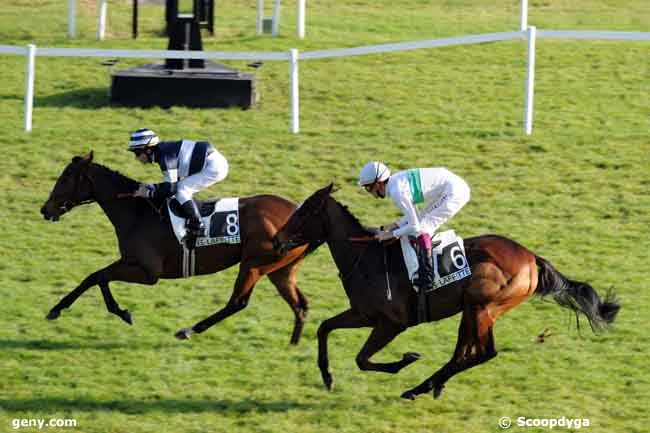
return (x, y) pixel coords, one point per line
(306, 224)
(72, 188)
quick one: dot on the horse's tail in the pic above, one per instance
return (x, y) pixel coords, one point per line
(577, 296)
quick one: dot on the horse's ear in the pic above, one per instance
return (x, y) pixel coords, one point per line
(329, 188)
(333, 188)
(83, 160)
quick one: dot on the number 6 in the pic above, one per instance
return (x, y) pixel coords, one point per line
(457, 257)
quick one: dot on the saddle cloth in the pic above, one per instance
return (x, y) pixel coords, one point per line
(449, 261)
(220, 217)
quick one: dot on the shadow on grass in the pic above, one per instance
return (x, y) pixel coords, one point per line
(12, 98)
(80, 98)
(128, 406)
(57, 345)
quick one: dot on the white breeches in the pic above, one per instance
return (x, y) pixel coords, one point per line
(410, 258)
(215, 170)
(431, 218)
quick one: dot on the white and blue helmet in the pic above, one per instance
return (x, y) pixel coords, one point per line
(143, 138)
(372, 172)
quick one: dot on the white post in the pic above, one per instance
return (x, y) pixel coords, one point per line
(260, 16)
(276, 18)
(524, 15)
(101, 20)
(293, 90)
(300, 25)
(29, 86)
(530, 81)
(72, 13)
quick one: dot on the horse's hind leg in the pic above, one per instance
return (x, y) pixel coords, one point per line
(381, 335)
(246, 280)
(285, 280)
(475, 345)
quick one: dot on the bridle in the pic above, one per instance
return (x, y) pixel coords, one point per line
(69, 204)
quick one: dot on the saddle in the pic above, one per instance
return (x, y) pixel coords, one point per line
(206, 207)
(448, 265)
(220, 217)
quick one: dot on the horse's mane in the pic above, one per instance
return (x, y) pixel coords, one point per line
(121, 181)
(355, 221)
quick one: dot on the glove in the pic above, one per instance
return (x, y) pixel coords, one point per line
(384, 236)
(144, 190)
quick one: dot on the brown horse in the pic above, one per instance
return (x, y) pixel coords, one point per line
(149, 250)
(504, 274)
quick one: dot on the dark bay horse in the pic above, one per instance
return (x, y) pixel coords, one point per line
(149, 249)
(504, 274)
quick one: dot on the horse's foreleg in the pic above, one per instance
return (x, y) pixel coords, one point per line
(347, 319)
(238, 300)
(118, 271)
(284, 280)
(475, 345)
(381, 335)
(69, 299)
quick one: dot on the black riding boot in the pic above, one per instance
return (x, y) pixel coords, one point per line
(424, 279)
(194, 223)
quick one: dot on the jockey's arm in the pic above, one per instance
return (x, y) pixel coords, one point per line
(163, 190)
(167, 188)
(410, 224)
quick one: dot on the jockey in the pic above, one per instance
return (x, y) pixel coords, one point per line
(442, 193)
(187, 168)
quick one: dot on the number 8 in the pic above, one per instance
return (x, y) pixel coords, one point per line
(231, 224)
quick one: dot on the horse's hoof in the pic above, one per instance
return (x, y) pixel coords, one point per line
(328, 380)
(53, 315)
(126, 316)
(437, 391)
(411, 357)
(408, 395)
(184, 334)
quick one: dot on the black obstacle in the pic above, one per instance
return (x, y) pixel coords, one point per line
(188, 82)
(203, 10)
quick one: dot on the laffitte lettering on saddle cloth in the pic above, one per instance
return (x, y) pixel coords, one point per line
(221, 223)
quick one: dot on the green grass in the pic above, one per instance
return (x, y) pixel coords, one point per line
(576, 192)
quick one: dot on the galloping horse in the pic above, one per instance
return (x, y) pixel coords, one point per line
(503, 274)
(149, 250)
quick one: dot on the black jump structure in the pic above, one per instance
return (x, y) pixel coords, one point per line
(187, 82)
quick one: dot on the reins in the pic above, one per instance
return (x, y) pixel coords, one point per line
(124, 195)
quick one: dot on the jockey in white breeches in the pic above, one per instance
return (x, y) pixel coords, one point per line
(440, 192)
(187, 167)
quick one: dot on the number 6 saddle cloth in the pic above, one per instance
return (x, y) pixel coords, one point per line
(449, 261)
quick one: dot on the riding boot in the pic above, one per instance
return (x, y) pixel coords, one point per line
(424, 280)
(194, 223)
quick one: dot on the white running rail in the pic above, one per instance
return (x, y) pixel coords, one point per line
(293, 57)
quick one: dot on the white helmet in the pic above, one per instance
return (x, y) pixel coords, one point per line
(143, 138)
(372, 172)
